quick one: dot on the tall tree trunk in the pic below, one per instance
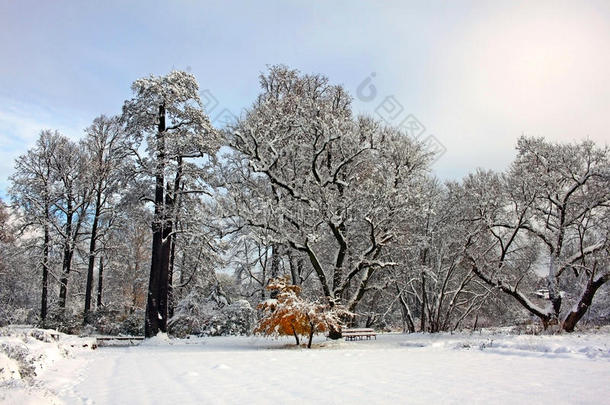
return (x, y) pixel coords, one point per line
(91, 264)
(424, 296)
(45, 270)
(276, 252)
(294, 275)
(263, 278)
(338, 232)
(156, 305)
(275, 266)
(67, 261)
(100, 282)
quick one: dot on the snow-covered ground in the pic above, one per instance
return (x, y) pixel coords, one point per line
(417, 368)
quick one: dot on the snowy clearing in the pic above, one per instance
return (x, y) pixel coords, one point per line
(417, 368)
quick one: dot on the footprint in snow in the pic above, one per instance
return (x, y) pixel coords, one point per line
(221, 367)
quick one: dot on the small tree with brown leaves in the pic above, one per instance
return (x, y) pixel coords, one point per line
(290, 314)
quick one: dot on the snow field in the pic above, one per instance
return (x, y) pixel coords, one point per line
(417, 368)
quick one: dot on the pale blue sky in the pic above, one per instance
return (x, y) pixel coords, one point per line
(476, 74)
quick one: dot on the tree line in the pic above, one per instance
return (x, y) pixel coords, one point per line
(155, 215)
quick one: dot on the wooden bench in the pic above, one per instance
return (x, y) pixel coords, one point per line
(131, 340)
(358, 334)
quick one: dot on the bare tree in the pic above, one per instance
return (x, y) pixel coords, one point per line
(74, 192)
(33, 192)
(431, 280)
(546, 217)
(106, 152)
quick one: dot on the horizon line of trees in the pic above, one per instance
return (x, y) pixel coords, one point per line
(156, 215)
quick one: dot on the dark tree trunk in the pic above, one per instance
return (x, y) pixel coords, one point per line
(91, 264)
(554, 293)
(100, 282)
(275, 260)
(275, 266)
(156, 305)
(71, 235)
(67, 261)
(311, 331)
(361, 288)
(424, 296)
(45, 272)
(409, 325)
(370, 320)
(321, 276)
(294, 333)
(63, 289)
(585, 302)
(296, 269)
(338, 232)
(263, 277)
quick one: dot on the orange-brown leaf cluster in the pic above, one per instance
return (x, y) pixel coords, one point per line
(289, 314)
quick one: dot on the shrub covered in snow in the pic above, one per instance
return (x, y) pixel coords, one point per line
(25, 351)
(17, 316)
(23, 363)
(206, 316)
(109, 321)
(64, 320)
(133, 323)
(104, 321)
